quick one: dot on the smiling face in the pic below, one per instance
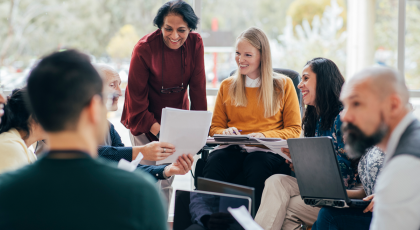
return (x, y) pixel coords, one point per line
(175, 31)
(248, 59)
(308, 86)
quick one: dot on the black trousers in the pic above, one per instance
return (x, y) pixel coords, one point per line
(235, 165)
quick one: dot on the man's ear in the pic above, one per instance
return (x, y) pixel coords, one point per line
(395, 103)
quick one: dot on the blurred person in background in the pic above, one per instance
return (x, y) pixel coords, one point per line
(113, 148)
(19, 129)
(67, 188)
(163, 65)
(2, 101)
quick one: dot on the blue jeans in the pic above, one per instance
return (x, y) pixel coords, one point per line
(342, 219)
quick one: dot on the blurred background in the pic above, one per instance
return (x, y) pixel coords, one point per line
(353, 33)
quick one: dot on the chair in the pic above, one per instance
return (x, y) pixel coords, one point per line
(205, 151)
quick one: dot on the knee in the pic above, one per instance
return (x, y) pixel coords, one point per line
(279, 180)
(326, 215)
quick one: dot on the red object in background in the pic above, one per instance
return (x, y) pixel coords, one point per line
(214, 27)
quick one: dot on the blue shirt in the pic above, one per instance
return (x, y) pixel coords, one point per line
(348, 173)
(117, 151)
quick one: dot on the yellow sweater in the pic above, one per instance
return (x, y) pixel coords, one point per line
(250, 119)
(13, 151)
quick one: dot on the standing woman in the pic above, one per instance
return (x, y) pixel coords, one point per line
(163, 65)
(258, 102)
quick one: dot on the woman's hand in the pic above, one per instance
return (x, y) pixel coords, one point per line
(231, 131)
(286, 151)
(257, 135)
(369, 208)
(181, 166)
(156, 151)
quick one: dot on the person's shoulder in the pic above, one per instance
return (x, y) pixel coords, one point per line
(18, 178)
(194, 36)
(11, 146)
(125, 178)
(226, 83)
(144, 43)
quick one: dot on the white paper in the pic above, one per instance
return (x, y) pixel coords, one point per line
(130, 166)
(275, 146)
(243, 217)
(186, 130)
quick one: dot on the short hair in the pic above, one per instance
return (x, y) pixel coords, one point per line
(384, 81)
(60, 87)
(104, 70)
(178, 7)
(16, 113)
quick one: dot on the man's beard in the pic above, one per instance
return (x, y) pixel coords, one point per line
(357, 142)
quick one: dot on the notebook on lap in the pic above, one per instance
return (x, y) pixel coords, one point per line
(318, 173)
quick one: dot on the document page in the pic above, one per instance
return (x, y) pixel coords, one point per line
(243, 217)
(187, 130)
(275, 146)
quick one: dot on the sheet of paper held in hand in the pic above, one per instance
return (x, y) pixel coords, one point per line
(187, 130)
(275, 146)
(130, 166)
(243, 217)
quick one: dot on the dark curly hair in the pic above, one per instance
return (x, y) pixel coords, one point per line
(16, 113)
(329, 82)
(178, 7)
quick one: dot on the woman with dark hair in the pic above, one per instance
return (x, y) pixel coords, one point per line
(163, 65)
(19, 129)
(281, 204)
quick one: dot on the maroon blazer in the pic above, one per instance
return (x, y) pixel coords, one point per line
(143, 99)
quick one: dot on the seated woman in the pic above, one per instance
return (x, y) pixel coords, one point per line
(19, 129)
(281, 205)
(258, 102)
(370, 165)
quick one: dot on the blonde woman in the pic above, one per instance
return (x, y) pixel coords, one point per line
(258, 102)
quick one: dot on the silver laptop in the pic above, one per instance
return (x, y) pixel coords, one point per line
(318, 173)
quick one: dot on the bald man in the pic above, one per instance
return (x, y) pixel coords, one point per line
(376, 112)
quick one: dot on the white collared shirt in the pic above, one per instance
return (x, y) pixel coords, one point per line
(397, 198)
(252, 83)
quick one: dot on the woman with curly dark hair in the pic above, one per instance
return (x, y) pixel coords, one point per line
(19, 129)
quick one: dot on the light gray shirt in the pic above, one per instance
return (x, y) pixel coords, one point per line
(397, 198)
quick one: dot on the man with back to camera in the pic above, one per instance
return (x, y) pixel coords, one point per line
(376, 112)
(112, 147)
(67, 188)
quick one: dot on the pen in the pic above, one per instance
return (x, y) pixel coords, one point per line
(238, 131)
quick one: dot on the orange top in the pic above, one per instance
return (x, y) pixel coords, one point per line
(250, 119)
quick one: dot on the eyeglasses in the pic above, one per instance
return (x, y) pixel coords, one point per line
(173, 89)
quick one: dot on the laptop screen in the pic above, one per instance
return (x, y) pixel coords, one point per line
(201, 210)
(316, 167)
(209, 185)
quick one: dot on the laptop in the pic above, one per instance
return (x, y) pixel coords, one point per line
(191, 205)
(205, 184)
(318, 173)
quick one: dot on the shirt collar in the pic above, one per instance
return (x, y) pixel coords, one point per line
(396, 135)
(252, 83)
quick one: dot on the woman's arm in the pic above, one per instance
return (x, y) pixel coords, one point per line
(220, 118)
(198, 79)
(291, 114)
(136, 115)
